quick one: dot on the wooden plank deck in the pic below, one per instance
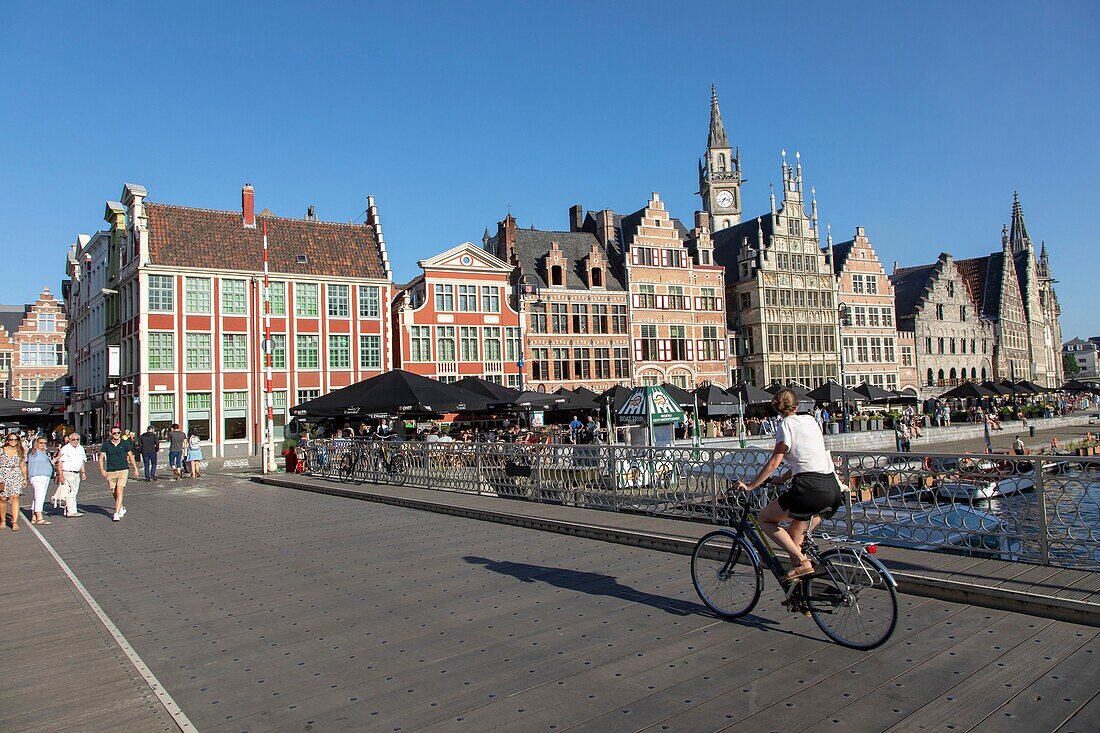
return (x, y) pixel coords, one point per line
(61, 669)
(263, 609)
(978, 578)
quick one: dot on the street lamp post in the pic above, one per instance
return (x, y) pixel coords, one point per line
(842, 317)
(527, 286)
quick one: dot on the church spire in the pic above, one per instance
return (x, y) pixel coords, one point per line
(717, 137)
(1018, 235)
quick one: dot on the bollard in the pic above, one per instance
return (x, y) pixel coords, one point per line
(1031, 429)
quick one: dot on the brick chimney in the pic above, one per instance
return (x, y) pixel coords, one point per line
(506, 239)
(248, 206)
(576, 217)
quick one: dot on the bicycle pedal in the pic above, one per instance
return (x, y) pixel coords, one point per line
(796, 607)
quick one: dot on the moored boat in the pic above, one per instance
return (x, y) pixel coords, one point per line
(983, 489)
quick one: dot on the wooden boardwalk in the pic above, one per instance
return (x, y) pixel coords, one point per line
(261, 608)
(1061, 593)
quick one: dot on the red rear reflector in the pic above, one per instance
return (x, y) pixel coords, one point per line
(872, 549)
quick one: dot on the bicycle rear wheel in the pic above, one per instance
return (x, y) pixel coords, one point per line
(348, 459)
(726, 574)
(852, 599)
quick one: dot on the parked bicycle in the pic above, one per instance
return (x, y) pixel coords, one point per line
(851, 595)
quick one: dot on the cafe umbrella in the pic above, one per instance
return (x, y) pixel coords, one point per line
(397, 392)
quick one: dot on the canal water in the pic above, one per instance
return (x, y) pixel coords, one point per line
(1073, 518)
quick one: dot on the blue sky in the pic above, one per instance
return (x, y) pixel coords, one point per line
(915, 121)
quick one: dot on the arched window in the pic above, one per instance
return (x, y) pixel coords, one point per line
(939, 375)
(597, 277)
(953, 375)
(557, 275)
(931, 379)
(983, 374)
(722, 162)
(973, 372)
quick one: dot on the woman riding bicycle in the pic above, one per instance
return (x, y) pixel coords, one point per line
(814, 486)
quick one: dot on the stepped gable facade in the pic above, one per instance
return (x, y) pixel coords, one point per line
(952, 341)
(677, 304)
(33, 357)
(568, 287)
(1014, 290)
(869, 339)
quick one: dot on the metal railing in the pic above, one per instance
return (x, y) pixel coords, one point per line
(1040, 509)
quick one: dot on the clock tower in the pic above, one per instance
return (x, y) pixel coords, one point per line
(720, 174)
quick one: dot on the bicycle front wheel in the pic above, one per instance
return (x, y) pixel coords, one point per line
(726, 574)
(852, 599)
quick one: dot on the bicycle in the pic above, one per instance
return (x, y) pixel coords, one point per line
(851, 595)
(385, 463)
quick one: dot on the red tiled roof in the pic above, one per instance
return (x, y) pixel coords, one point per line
(186, 237)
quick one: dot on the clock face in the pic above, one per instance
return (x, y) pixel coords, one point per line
(724, 199)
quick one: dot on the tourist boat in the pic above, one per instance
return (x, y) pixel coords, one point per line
(980, 488)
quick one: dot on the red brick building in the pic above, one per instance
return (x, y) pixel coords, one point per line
(456, 319)
(33, 362)
(189, 312)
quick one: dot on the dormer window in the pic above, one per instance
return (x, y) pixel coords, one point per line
(704, 257)
(302, 259)
(596, 277)
(557, 275)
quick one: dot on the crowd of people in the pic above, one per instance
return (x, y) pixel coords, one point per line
(31, 461)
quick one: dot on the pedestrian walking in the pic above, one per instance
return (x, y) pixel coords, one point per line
(71, 460)
(13, 477)
(903, 436)
(176, 440)
(149, 442)
(115, 456)
(194, 453)
(39, 473)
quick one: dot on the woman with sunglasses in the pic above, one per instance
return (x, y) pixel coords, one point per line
(39, 473)
(13, 477)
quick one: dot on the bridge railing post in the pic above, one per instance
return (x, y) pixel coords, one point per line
(1044, 522)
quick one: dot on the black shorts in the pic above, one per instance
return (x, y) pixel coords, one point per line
(810, 494)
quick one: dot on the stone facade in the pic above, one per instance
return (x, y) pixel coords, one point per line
(33, 359)
(1010, 303)
(1040, 302)
(952, 341)
(458, 319)
(870, 341)
(781, 291)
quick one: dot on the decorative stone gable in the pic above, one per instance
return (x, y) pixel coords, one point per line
(557, 266)
(595, 267)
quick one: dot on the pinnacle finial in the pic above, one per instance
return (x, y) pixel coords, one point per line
(717, 137)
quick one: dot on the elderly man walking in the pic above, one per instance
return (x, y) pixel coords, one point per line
(70, 462)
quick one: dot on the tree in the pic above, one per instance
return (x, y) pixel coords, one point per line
(1069, 366)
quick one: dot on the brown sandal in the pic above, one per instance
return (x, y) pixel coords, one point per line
(798, 572)
(15, 528)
